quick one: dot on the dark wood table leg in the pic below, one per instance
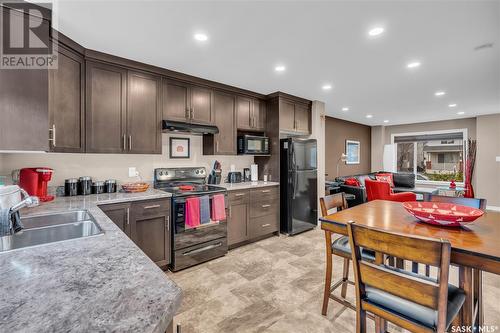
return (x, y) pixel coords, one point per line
(465, 282)
(328, 273)
(478, 297)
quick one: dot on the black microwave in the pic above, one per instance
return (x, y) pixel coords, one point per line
(253, 145)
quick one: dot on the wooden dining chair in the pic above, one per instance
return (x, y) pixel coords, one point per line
(340, 247)
(469, 202)
(414, 302)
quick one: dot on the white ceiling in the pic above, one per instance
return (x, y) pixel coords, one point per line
(318, 42)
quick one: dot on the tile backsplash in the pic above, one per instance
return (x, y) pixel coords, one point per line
(115, 166)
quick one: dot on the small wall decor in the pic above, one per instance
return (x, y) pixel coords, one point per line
(352, 150)
(179, 147)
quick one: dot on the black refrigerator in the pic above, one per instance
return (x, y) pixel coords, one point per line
(298, 185)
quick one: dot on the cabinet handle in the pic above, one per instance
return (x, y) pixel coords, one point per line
(266, 191)
(130, 142)
(266, 206)
(128, 216)
(152, 206)
(230, 212)
(124, 142)
(239, 194)
(53, 139)
(266, 225)
(168, 223)
(217, 146)
(192, 113)
(188, 113)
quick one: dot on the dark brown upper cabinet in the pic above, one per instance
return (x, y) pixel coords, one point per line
(176, 101)
(294, 117)
(187, 103)
(24, 112)
(143, 113)
(66, 103)
(223, 143)
(106, 94)
(123, 110)
(251, 114)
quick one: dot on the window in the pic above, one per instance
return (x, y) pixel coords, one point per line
(431, 156)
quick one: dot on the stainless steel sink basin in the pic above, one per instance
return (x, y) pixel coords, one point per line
(50, 228)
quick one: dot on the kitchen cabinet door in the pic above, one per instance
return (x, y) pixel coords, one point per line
(66, 103)
(237, 223)
(105, 108)
(225, 140)
(176, 101)
(143, 113)
(24, 113)
(287, 115)
(201, 105)
(259, 115)
(119, 214)
(152, 236)
(244, 113)
(302, 118)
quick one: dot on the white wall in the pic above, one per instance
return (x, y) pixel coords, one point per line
(105, 166)
(318, 133)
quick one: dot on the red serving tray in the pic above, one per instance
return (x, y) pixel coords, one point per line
(442, 213)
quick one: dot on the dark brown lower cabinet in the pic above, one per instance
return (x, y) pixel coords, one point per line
(253, 214)
(147, 223)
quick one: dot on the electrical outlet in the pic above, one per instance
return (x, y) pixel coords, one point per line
(132, 172)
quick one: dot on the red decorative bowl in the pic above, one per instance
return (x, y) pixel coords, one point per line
(442, 213)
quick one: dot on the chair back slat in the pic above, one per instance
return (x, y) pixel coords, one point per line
(469, 202)
(336, 200)
(417, 290)
(418, 249)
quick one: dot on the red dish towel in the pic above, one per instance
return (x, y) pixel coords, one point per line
(218, 207)
(192, 213)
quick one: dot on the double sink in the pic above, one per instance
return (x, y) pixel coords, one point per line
(50, 228)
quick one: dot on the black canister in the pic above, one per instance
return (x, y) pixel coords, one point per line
(97, 187)
(85, 185)
(70, 187)
(110, 186)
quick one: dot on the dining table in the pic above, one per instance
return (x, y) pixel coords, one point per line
(475, 247)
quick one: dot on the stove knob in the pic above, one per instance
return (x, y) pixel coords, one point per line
(160, 173)
(197, 171)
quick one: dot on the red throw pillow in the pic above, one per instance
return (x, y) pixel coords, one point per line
(352, 182)
(385, 177)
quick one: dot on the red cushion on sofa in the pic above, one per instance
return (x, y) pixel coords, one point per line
(352, 182)
(385, 177)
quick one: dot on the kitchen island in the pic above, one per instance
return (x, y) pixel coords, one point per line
(101, 283)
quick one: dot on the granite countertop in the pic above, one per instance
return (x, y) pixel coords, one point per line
(102, 283)
(247, 185)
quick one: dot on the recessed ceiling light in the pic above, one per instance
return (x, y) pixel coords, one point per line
(386, 121)
(452, 105)
(439, 93)
(413, 64)
(369, 116)
(201, 37)
(461, 112)
(326, 87)
(280, 68)
(345, 108)
(375, 31)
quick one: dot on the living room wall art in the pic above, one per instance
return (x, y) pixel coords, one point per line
(352, 150)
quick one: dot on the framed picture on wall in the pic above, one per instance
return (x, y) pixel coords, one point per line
(179, 147)
(352, 151)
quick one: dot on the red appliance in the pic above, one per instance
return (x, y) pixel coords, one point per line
(34, 181)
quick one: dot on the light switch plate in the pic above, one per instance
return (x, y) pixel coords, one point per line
(498, 158)
(132, 172)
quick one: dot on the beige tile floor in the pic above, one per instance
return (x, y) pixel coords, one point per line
(276, 285)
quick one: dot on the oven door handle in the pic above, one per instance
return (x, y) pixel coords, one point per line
(202, 249)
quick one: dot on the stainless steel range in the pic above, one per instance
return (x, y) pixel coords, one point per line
(191, 246)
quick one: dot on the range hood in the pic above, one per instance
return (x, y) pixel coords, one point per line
(177, 126)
